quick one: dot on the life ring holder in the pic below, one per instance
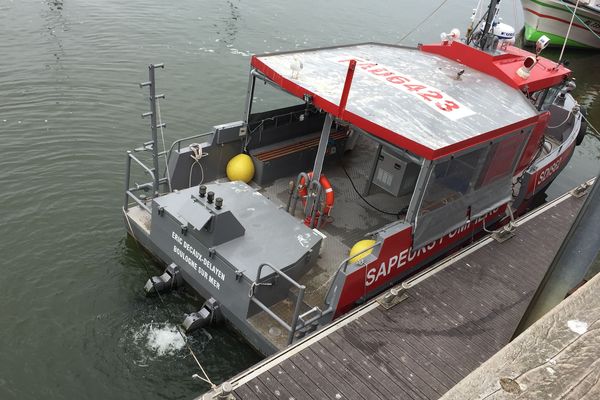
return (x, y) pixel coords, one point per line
(325, 184)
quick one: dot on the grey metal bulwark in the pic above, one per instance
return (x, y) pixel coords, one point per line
(220, 245)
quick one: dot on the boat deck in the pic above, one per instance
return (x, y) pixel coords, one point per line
(350, 219)
(457, 314)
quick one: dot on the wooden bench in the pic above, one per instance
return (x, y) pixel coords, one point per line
(296, 146)
(290, 156)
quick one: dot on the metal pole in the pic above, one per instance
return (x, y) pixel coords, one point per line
(373, 169)
(318, 167)
(249, 96)
(487, 37)
(154, 128)
(299, 302)
(575, 255)
(127, 180)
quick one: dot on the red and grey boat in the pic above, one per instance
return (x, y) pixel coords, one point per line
(390, 158)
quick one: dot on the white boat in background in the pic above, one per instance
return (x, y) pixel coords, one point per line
(552, 18)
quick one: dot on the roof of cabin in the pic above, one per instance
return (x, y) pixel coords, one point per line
(407, 97)
(503, 64)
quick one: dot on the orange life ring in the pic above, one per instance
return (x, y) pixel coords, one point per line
(326, 185)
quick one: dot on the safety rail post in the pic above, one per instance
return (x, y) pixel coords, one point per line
(129, 190)
(313, 202)
(293, 199)
(127, 180)
(291, 328)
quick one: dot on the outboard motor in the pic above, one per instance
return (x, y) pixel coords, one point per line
(505, 34)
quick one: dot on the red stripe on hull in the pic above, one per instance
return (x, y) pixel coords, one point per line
(557, 19)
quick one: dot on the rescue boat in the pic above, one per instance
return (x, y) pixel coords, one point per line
(391, 158)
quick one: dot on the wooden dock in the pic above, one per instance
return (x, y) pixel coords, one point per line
(456, 315)
(558, 357)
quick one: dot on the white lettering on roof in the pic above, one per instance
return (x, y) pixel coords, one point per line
(434, 98)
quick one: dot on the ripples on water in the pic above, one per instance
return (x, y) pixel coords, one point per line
(75, 322)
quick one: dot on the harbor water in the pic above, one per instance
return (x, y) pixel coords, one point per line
(74, 320)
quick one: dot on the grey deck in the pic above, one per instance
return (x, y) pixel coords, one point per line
(450, 324)
(351, 219)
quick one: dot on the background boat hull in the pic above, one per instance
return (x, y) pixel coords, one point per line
(552, 18)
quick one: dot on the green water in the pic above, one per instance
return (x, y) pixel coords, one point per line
(74, 322)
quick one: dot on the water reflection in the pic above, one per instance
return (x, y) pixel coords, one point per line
(55, 24)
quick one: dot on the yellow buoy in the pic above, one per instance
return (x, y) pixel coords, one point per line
(240, 168)
(359, 247)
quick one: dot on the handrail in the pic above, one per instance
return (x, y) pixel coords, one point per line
(313, 202)
(344, 264)
(141, 164)
(291, 328)
(312, 205)
(293, 198)
(137, 200)
(128, 190)
(179, 141)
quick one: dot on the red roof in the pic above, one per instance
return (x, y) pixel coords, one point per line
(504, 66)
(424, 103)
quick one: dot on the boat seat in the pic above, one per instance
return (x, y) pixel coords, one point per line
(288, 157)
(296, 146)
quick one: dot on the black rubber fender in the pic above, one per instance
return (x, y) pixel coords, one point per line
(583, 127)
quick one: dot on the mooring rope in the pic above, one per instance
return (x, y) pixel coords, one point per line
(568, 32)
(562, 123)
(183, 336)
(423, 21)
(590, 126)
(579, 19)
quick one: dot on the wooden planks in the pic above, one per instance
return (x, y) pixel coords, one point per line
(297, 146)
(554, 358)
(451, 323)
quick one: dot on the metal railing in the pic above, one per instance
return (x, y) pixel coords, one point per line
(344, 265)
(130, 191)
(178, 143)
(292, 327)
(313, 208)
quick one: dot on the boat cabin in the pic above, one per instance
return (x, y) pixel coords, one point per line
(445, 139)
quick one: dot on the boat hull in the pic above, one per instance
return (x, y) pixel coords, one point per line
(551, 18)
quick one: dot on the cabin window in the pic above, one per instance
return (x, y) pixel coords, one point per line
(450, 180)
(466, 186)
(543, 99)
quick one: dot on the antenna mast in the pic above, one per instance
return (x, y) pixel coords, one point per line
(154, 125)
(487, 38)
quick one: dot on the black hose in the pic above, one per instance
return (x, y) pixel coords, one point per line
(397, 214)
